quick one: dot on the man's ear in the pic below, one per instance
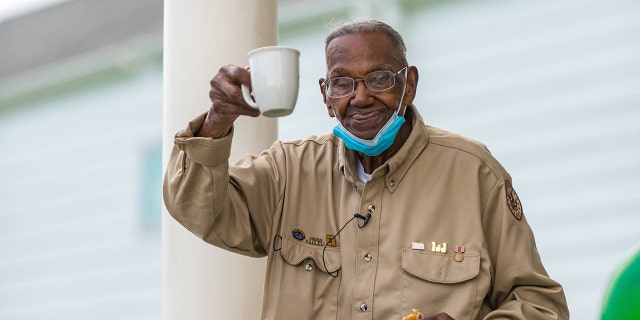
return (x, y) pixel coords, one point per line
(324, 98)
(412, 85)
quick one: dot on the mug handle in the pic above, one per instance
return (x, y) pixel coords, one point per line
(247, 97)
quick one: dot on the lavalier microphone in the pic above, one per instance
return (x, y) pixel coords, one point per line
(364, 218)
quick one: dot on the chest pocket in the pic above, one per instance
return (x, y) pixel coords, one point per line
(304, 289)
(435, 280)
(296, 252)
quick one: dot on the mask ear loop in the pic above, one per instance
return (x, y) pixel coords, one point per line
(404, 88)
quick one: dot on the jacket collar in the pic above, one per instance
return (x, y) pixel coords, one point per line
(395, 168)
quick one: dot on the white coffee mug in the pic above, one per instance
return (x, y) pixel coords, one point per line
(274, 80)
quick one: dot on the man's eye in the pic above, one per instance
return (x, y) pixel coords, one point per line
(342, 84)
(380, 79)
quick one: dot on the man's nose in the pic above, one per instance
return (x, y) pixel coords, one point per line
(360, 92)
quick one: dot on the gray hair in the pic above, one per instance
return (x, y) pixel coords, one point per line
(364, 26)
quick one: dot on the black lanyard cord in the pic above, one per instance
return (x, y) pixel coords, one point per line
(335, 237)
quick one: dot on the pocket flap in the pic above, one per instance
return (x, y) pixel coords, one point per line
(440, 268)
(295, 252)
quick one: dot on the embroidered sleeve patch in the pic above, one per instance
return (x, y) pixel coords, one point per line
(513, 201)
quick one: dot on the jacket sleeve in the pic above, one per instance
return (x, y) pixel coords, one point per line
(522, 289)
(229, 210)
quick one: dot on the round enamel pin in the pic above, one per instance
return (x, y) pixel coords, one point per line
(298, 234)
(513, 202)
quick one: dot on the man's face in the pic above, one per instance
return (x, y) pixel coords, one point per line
(364, 112)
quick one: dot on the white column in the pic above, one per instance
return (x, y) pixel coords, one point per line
(200, 281)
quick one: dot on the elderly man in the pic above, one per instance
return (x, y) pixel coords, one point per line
(383, 216)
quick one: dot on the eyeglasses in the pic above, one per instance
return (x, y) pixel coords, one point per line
(376, 81)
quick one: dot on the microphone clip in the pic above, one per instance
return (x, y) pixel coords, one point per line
(364, 218)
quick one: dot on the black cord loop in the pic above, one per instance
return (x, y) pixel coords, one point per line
(277, 237)
(335, 273)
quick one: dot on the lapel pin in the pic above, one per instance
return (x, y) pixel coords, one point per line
(439, 248)
(331, 240)
(298, 234)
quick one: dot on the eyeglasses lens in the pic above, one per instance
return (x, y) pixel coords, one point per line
(375, 81)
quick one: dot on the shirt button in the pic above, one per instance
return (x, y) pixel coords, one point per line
(392, 182)
(368, 257)
(371, 208)
(363, 307)
(309, 267)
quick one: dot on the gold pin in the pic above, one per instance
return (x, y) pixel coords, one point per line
(331, 240)
(439, 248)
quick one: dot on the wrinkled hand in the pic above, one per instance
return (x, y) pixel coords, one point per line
(227, 103)
(440, 316)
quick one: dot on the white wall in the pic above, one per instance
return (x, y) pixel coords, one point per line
(74, 241)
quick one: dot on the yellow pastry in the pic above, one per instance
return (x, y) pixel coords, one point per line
(415, 315)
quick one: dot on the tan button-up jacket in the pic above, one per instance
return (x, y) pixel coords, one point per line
(446, 231)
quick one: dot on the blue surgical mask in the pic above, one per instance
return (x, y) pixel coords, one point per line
(381, 142)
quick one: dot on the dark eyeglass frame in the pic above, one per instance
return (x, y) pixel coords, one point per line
(367, 77)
